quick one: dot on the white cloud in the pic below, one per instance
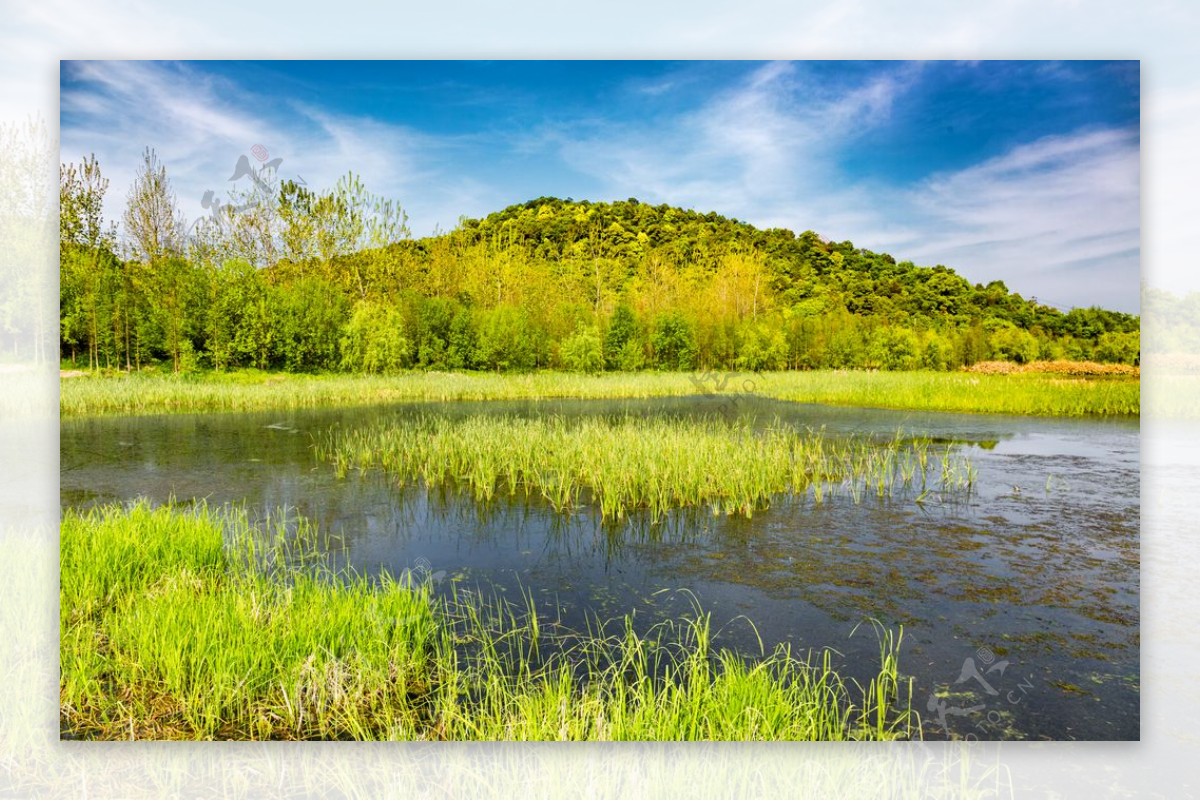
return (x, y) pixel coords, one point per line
(1057, 218)
(200, 124)
(761, 150)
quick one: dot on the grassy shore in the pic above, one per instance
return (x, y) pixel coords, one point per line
(630, 462)
(190, 624)
(1018, 393)
(1022, 393)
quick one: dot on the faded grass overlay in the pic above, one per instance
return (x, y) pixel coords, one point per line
(1018, 393)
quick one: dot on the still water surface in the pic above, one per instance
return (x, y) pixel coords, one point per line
(1019, 602)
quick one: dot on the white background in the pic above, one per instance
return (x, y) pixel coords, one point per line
(1163, 35)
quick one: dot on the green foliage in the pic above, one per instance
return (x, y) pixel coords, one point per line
(1124, 348)
(254, 390)
(673, 342)
(937, 352)
(1013, 344)
(687, 289)
(622, 330)
(235, 333)
(845, 344)
(632, 462)
(582, 351)
(191, 624)
(762, 347)
(308, 320)
(461, 342)
(507, 340)
(188, 362)
(894, 348)
(430, 327)
(631, 357)
(374, 340)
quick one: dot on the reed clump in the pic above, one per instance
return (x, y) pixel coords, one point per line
(1019, 393)
(629, 463)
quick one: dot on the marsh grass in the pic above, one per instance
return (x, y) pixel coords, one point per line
(191, 624)
(628, 463)
(1020, 393)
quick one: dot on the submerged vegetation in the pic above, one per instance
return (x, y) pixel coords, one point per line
(189, 623)
(1023, 393)
(629, 463)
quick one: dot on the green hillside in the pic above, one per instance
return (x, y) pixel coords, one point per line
(330, 281)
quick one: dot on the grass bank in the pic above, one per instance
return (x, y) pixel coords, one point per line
(190, 624)
(1018, 393)
(629, 462)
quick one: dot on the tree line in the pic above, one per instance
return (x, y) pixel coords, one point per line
(287, 277)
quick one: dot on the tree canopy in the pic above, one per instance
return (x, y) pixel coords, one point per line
(331, 280)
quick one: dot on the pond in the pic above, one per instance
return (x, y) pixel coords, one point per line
(1018, 601)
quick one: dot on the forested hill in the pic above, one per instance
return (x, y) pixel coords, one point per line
(805, 272)
(309, 281)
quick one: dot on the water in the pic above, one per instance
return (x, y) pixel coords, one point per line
(1019, 603)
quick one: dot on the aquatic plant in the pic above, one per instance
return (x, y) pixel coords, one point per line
(624, 463)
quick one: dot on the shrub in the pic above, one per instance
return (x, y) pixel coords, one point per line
(374, 341)
(581, 352)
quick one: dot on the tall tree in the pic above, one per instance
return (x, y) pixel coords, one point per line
(153, 224)
(85, 248)
(154, 230)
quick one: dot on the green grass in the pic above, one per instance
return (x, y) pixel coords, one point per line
(1016, 393)
(627, 463)
(1025, 393)
(190, 624)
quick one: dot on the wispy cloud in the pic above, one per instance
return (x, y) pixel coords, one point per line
(762, 149)
(1057, 218)
(197, 124)
(200, 124)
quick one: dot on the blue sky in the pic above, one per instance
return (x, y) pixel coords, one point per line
(1024, 171)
